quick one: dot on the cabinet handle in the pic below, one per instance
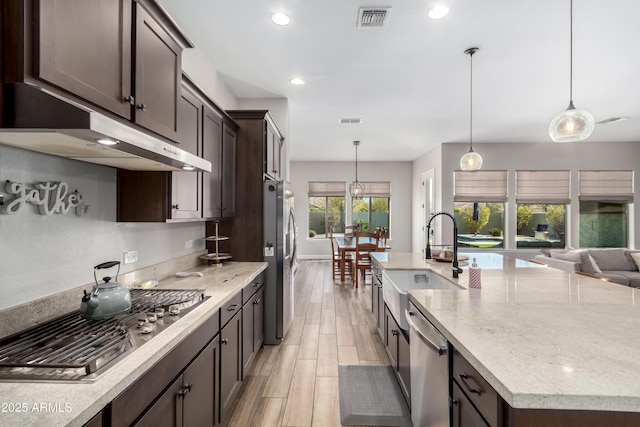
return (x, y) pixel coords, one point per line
(142, 107)
(257, 301)
(176, 206)
(232, 307)
(463, 377)
(224, 341)
(129, 100)
(184, 390)
(255, 285)
(395, 332)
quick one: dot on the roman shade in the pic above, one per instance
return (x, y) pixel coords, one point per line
(480, 186)
(606, 186)
(544, 187)
(327, 188)
(377, 189)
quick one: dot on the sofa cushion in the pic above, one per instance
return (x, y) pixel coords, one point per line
(566, 255)
(635, 256)
(612, 259)
(623, 277)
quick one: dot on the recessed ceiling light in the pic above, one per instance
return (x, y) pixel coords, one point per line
(280, 18)
(438, 12)
(107, 141)
(297, 81)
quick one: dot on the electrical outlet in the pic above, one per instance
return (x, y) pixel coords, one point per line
(188, 244)
(130, 257)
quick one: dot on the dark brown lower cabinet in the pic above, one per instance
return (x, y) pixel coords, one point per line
(96, 421)
(190, 399)
(252, 328)
(464, 413)
(397, 342)
(230, 362)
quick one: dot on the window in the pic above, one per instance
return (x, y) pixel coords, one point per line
(326, 208)
(541, 198)
(604, 213)
(479, 198)
(372, 211)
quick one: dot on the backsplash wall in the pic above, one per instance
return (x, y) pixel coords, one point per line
(41, 255)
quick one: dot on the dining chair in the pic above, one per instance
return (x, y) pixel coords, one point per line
(336, 260)
(362, 254)
(382, 239)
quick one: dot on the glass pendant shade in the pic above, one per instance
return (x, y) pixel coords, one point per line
(356, 189)
(471, 161)
(571, 125)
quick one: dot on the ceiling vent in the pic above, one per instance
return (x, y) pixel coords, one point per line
(373, 17)
(349, 121)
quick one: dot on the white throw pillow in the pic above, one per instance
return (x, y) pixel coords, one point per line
(596, 269)
(636, 258)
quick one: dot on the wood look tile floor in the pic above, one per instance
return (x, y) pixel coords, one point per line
(296, 383)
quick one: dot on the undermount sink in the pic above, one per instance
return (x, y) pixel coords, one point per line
(397, 283)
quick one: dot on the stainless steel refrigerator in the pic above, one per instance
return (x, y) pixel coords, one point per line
(280, 236)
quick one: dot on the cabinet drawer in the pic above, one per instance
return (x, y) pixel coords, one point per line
(249, 290)
(231, 307)
(481, 394)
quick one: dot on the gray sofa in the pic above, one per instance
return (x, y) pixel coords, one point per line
(617, 265)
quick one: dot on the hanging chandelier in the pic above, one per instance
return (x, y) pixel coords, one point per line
(572, 124)
(471, 161)
(356, 188)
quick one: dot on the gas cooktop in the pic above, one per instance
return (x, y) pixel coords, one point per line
(71, 348)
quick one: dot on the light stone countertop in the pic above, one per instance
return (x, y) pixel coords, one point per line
(543, 338)
(76, 403)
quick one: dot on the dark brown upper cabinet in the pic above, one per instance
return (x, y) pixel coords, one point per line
(84, 47)
(123, 56)
(219, 147)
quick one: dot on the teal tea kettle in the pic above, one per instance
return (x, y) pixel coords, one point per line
(107, 299)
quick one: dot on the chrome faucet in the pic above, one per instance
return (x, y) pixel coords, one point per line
(454, 267)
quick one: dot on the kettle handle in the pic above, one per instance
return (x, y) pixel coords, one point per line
(107, 264)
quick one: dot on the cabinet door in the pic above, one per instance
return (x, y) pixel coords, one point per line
(199, 380)
(228, 172)
(230, 368)
(96, 421)
(158, 76)
(247, 337)
(186, 196)
(167, 410)
(272, 148)
(404, 365)
(212, 150)
(258, 320)
(392, 338)
(464, 413)
(381, 317)
(84, 47)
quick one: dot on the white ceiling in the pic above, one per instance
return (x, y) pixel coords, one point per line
(409, 80)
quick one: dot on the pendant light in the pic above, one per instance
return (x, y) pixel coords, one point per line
(572, 124)
(356, 188)
(471, 161)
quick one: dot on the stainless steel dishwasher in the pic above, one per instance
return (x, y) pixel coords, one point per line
(429, 372)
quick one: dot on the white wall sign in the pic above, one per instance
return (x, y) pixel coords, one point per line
(50, 197)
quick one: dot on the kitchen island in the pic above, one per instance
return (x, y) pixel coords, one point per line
(74, 404)
(544, 339)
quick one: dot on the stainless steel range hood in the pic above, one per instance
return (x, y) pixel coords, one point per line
(35, 119)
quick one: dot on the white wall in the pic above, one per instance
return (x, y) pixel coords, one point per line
(398, 173)
(577, 156)
(41, 255)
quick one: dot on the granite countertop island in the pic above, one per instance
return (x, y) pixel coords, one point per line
(543, 338)
(73, 404)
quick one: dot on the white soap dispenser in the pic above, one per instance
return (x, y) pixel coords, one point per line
(475, 275)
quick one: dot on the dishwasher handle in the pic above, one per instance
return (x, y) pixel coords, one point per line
(440, 349)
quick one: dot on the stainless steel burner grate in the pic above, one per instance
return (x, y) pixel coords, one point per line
(73, 348)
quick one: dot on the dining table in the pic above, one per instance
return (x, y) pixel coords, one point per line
(348, 244)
